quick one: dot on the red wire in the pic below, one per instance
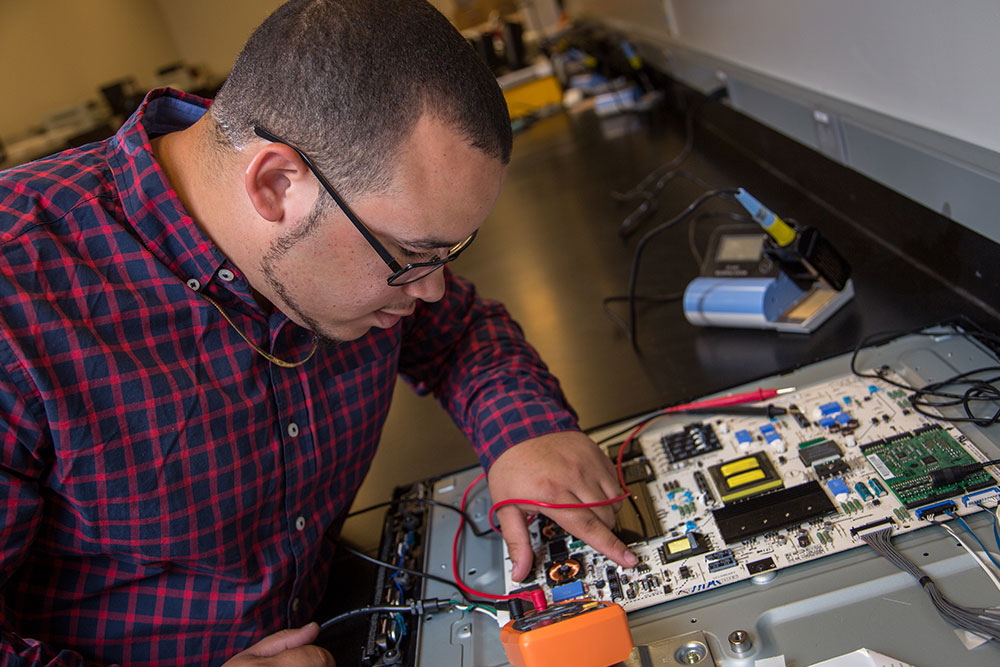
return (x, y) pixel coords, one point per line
(454, 555)
(746, 397)
(521, 501)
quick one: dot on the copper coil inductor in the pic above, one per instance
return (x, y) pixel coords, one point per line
(564, 570)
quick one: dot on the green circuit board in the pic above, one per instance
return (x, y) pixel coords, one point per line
(904, 462)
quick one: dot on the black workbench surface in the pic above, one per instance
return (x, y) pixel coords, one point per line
(551, 251)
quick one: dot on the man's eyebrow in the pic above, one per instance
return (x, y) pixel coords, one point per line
(428, 243)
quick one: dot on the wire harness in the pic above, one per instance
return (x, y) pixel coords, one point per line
(981, 621)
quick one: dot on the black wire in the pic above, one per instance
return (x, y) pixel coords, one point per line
(363, 611)
(428, 501)
(647, 237)
(625, 430)
(673, 163)
(415, 608)
(649, 205)
(622, 324)
(391, 566)
(933, 394)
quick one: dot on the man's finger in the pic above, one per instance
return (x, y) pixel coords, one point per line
(587, 526)
(284, 640)
(515, 534)
(606, 514)
(613, 491)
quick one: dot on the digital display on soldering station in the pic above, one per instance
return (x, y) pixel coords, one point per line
(737, 251)
(739, 248)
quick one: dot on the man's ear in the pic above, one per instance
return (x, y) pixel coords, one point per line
(279, 184)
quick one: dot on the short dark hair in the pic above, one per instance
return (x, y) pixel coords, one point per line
(347, 80)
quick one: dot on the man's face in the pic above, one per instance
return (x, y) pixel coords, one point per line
(325, 276)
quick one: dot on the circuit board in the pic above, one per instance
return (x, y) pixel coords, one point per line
(904, 462)
(716, 500)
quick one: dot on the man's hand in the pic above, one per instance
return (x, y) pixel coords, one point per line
(560, 468)
(287, 648)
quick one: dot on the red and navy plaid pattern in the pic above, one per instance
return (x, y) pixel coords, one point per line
(166, 495)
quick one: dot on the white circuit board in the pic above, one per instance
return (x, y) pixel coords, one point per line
(686, 552)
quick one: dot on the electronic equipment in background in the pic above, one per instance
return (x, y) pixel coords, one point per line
(771, 276)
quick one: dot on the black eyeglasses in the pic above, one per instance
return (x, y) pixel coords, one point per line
(401, 275)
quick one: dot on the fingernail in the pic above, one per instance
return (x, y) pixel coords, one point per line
(630, 559)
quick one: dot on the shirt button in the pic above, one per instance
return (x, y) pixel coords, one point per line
(226, 275)
(300, 523)
(194, 284)
(293, 429)
(295, 605)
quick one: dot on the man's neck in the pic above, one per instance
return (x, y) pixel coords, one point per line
(178, 154)
(196, 173)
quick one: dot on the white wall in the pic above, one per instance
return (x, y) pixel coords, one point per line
(57, 53)
(928, 62)
(210, 33)
(932, 63)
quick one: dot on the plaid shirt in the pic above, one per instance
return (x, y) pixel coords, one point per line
(167, 496)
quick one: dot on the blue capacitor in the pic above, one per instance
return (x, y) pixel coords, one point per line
(843, 418)
(567, 591)
(767, 428)
(829, 408)
(826, 422)
(772, 436)
(744, 436)
(838, 488)
(863, 491)
(877, 488)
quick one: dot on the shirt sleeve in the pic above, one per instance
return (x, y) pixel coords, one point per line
(473, 357)
(21, 440)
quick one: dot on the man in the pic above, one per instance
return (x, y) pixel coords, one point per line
(202, 321)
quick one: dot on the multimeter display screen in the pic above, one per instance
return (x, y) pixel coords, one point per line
(739, 248)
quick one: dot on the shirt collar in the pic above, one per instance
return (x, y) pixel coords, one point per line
(150, 203)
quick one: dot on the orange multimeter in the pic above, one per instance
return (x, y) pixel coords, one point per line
(577, 633)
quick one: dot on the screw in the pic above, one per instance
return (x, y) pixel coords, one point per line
(740, 641)
(692, 657)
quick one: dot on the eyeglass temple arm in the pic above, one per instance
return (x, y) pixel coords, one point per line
(374, 242)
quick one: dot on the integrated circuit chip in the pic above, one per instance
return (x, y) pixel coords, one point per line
(821, 452)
